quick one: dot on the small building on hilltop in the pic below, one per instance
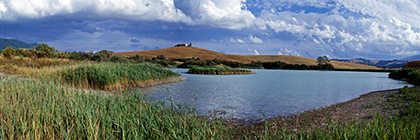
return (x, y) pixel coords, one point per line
(181, 45)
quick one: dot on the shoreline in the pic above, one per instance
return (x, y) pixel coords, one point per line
(365, 107)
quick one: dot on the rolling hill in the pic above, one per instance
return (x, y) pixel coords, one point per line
(188, 52)
(15, 44)
(380, 63)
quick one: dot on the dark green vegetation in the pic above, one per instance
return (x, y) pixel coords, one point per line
(15, 44)
(410, 75)
(111, 76)
(217, 70)
(188, 63)
(410, 72)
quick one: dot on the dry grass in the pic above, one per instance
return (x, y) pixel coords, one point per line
(284, 58)
(34, 67)
(186, 52)
(345, 65)
(412, 65)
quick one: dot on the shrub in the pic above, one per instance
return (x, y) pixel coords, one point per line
(400, 74)
(119, 59)
(79, 56)
(8, 52)
(44, 50)
(98, 57)
(106, 52)
(20, 51)
(326, 66)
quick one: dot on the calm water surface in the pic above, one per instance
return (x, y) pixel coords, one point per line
(270, 92)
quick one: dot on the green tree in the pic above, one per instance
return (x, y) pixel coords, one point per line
(323, 63)
(322, 59)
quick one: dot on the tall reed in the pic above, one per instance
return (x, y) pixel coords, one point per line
(113, 76)
(33, 109)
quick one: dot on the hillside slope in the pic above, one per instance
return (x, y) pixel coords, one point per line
(187, 52)
(15, 44)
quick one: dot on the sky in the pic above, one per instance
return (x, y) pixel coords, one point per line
(342, 29)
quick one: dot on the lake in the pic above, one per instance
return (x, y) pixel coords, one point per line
(270, 92)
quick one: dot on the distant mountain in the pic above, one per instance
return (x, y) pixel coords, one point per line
(414, 57)
(15, 44)
(380, 63)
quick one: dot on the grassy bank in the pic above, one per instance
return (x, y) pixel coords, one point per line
(216, 70)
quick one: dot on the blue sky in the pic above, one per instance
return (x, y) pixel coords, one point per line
(375, 29)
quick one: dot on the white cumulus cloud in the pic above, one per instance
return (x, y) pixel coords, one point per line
(142, 10)
(240, 41)
(286, 51)
(253, 51)
(255, 39)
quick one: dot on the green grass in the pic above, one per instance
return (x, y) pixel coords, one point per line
(217, 70)
(43, 110)
(109, 76)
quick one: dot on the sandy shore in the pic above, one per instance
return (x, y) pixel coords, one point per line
(364, 107)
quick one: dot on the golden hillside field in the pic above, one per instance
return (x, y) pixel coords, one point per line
(187, 52)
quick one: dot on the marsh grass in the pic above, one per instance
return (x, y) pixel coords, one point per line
(42, 110)
(112, 76)
(217, 70)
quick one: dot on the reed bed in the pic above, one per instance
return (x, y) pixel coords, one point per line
(42, 110)
(218, 70)
(113, 76)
